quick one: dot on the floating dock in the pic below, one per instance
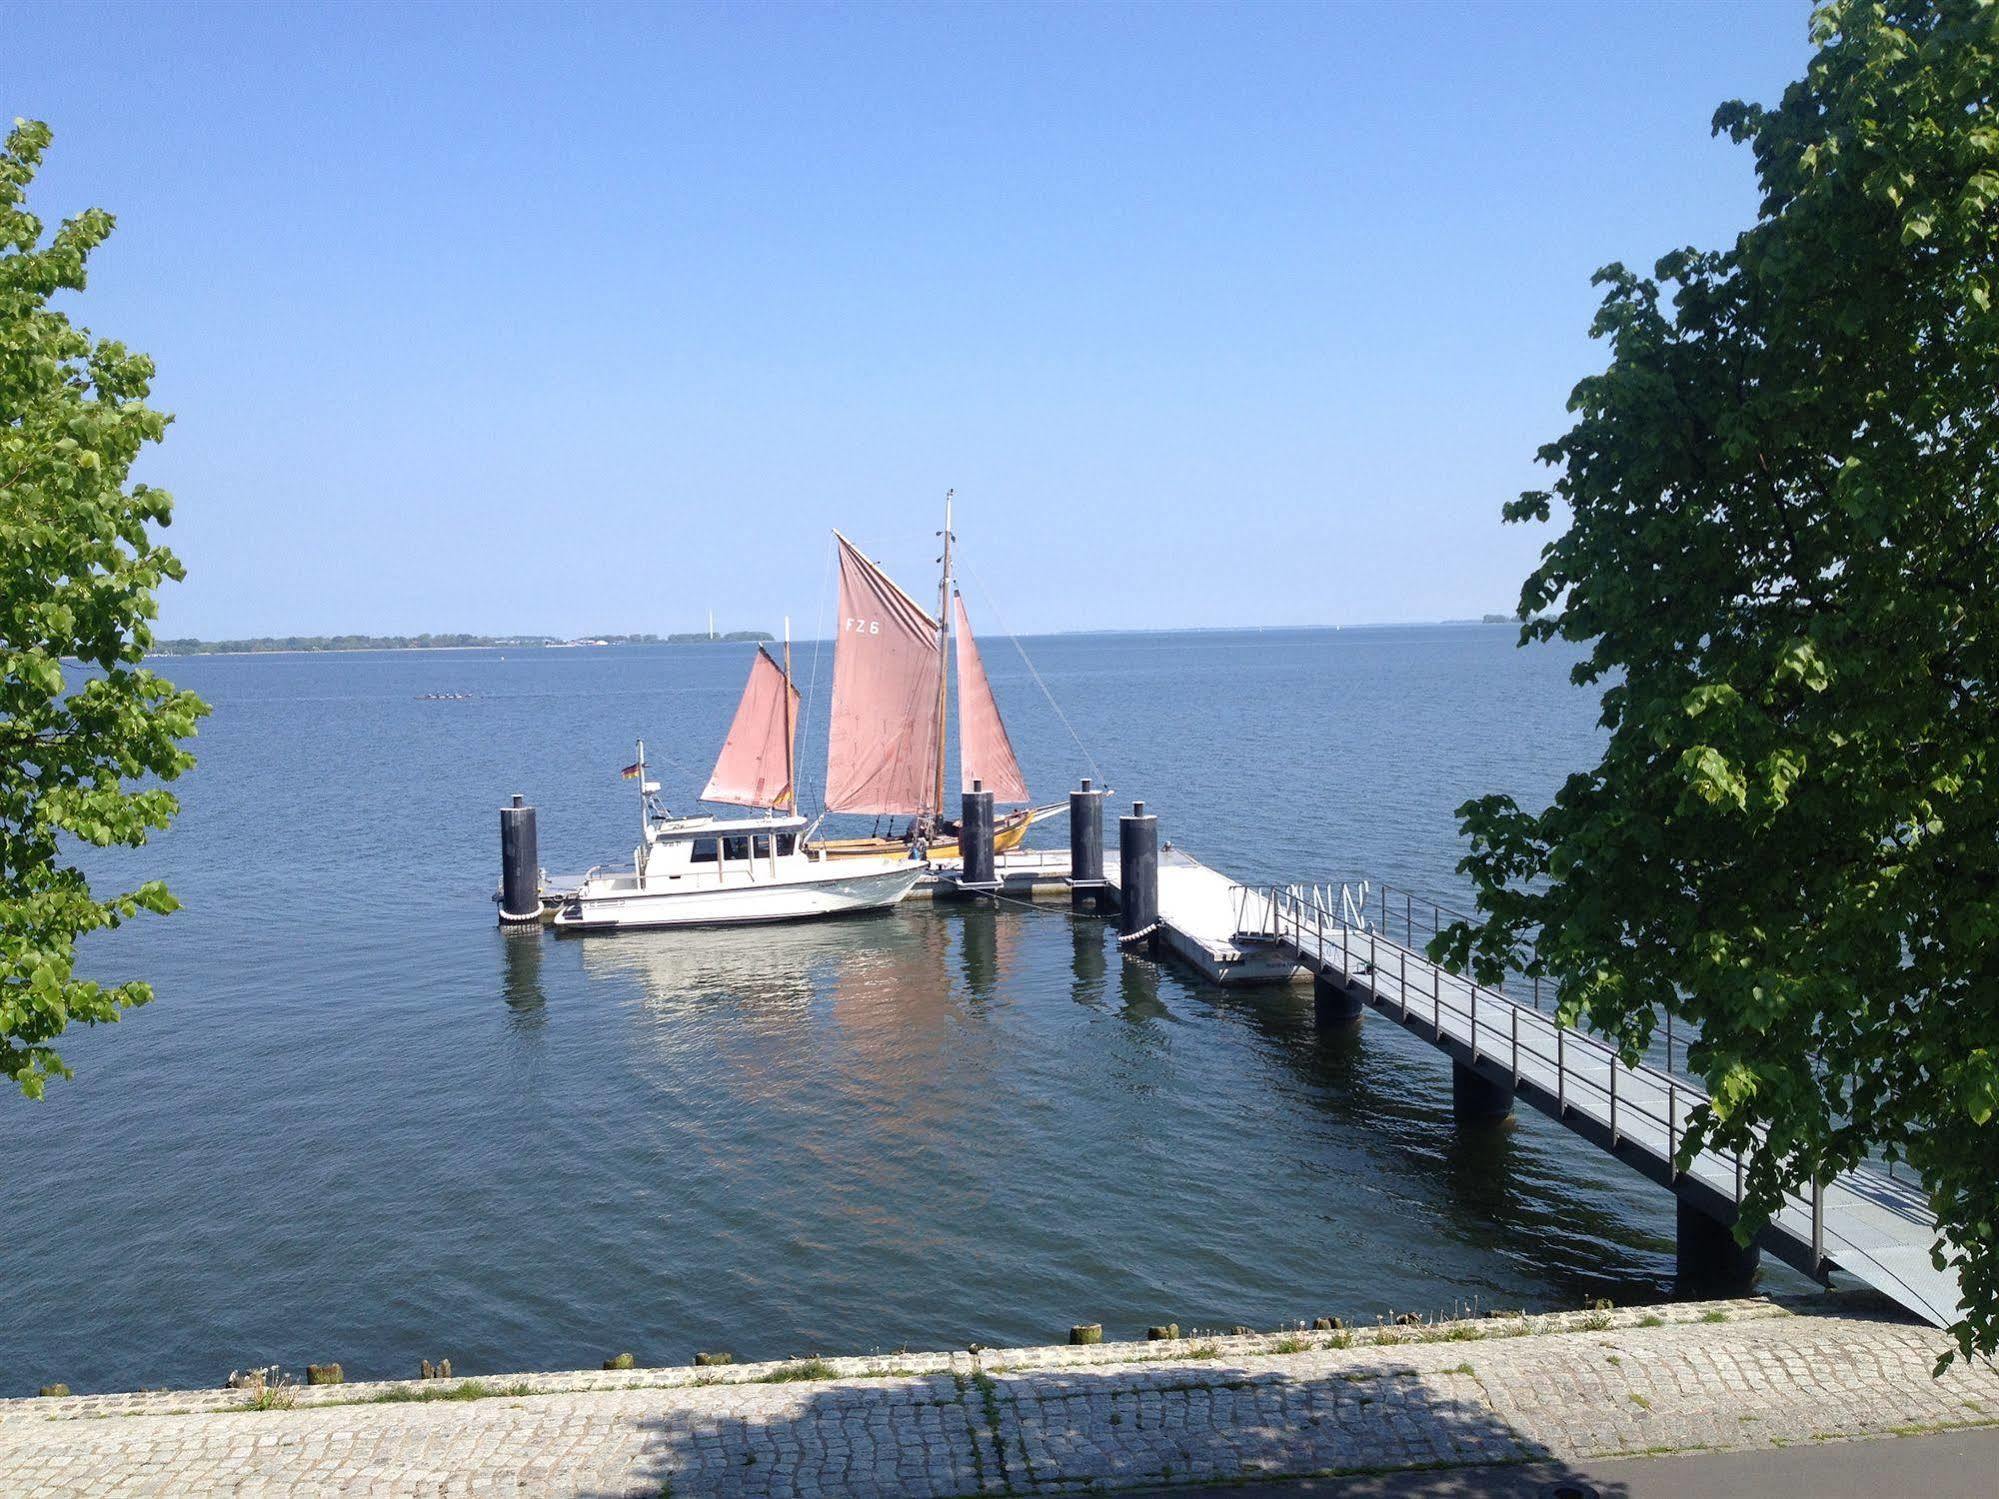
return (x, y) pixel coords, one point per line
(1198, 923)
(1034, 874)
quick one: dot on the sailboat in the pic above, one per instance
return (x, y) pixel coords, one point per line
(891, 702)
(712, 871)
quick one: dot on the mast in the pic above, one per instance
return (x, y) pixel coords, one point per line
(790, 772)
(943, 640)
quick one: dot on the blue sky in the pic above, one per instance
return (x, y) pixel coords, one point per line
(565, 318)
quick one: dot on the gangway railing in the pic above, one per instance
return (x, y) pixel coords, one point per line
(1641, 1105)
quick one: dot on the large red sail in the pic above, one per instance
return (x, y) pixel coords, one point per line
(881, 751)
(753, 768)
(984, 751)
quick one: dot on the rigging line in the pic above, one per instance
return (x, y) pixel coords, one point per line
(1097, 774)
(812, 682)
(698, 778)
(654, 751)
(1031, 908)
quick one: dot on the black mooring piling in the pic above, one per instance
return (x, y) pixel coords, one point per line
(520, 865)
(1086, 849)
(1138, 873)
(975, 841)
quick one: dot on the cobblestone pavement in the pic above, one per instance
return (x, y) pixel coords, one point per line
(1564, 1388)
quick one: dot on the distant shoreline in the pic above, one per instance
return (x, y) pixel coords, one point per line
(182, 649)
(328, 645)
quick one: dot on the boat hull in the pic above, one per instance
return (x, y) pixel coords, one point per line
(838, 892)
(1008, 834)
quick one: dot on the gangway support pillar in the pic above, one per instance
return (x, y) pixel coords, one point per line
(1476, 1096)
(1707, 1256)
(975, 842)
(1334, 1006)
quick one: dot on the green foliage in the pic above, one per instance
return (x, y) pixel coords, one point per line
(78, 568)
(809, 1368)
(1783, 501)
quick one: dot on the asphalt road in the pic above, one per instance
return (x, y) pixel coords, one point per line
(1955, 1465)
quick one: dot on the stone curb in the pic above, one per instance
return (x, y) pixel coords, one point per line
(1195, 1349)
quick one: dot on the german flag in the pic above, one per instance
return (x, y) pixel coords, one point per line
(630, 772)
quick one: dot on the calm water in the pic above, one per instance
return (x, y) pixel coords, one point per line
(360, 1123)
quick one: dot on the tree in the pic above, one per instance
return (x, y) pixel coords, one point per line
(79, 762)
(1783, 502)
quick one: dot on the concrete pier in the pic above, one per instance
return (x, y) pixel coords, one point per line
(1474, 1096)
(1706, 1254)
(1334, 1006)
(1864, 1222)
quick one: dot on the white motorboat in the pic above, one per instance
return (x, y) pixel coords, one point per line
(711, 871)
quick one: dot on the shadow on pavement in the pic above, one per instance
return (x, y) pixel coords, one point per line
(1022, 1431)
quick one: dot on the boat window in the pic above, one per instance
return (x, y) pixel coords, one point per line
(704, 851)
(763, 845)
(736, 848)
(786, 843)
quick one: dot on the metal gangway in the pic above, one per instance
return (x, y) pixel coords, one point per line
(1868, 1223)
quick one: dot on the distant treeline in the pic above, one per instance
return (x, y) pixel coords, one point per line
(427, 642)
(690, 637)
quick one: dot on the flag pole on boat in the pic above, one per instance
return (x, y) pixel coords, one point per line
(642, 790)
(943, 658)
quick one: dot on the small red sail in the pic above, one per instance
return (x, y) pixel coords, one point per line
(984, 751)
(752, 769)
(881, 749)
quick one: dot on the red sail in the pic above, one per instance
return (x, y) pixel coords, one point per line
(984, 752)
(881, 751)
(751, 770)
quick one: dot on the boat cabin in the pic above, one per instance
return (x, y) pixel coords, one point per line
(749, 847)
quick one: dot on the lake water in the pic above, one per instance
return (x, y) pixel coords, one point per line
(360, 1123)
